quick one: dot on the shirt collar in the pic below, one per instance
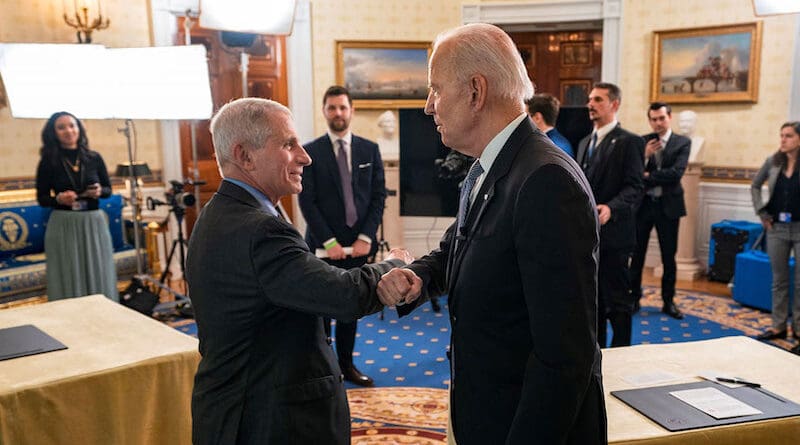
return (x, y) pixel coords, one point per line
(262, 199)
(496, 144)
(605, 129)
(666, 137)
(347, 138)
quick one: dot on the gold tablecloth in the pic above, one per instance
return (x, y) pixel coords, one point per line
(125, 379)
(777, 370)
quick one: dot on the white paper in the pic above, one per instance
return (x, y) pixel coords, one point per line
(654, 378)
(322, 253)
(715, 403)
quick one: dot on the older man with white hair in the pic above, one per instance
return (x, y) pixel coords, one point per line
(519, 265)
(267, 374)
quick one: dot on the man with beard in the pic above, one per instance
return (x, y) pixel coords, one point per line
(613, 160)
(342, 201)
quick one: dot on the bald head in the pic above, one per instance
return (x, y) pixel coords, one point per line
(486, 50)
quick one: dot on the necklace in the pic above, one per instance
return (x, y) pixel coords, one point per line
(76, 167)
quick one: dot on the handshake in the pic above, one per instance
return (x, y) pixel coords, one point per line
(399, 286)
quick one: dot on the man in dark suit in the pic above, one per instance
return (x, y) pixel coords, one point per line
(666, 157)
(267, 375)
(612, 159)
(342, 201)
(519, 264)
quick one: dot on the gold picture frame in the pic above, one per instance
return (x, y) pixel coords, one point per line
(576, 54)
(384, 74)
(716, 64)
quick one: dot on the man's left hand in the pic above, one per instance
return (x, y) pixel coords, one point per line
(603, 213)
(360, 248)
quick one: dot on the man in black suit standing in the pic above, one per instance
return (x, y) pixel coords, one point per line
(666, 157)
(613, 161)
(267, 374)
(519, 264)
(343, 197)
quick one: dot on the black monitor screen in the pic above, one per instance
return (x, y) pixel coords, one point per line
(430, 172)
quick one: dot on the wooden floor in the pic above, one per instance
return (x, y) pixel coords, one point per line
(702, 284)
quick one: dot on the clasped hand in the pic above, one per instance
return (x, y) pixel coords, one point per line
(399, 286)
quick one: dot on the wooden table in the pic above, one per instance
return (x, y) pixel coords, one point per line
(125, 379)
(777, 370)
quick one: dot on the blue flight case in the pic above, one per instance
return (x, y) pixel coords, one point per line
(729, 238)
(752, 284)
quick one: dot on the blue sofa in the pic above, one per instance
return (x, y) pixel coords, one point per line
(22, 260)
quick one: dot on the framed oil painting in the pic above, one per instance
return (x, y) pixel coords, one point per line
(576, 54)
(575, 92)
(707, 65)
(384, 74)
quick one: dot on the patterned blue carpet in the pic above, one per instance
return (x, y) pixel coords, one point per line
(411, 352)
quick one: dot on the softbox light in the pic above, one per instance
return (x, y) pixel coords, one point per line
(248, 16)
(37, 85)
(773, 7)
(125, 83)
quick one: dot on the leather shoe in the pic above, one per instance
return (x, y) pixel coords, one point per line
(671, 310)
(795, 350)
(771, 334)
(352, 374)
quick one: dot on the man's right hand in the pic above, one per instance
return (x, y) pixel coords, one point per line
(400, 254)
(767, 223)
(336, 252)
(653, 145)
(399, 286)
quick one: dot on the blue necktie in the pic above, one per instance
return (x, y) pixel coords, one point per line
(592, 145)
(347, 186)
(466, 189)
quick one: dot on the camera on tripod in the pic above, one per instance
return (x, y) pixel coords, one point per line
(176, 197)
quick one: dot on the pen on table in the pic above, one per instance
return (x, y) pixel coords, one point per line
(739, 382)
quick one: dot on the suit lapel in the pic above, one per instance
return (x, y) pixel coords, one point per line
(356, 159)
(328, 158)
(601, 156)
(502, 164)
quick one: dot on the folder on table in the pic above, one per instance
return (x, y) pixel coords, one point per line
(675, 415)
(20, 341)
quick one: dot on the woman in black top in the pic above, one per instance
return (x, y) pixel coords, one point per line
(71, 178)
(780, 217)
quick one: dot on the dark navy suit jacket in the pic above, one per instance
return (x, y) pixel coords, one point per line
(522, 286)
(616, 179)
(322, 199)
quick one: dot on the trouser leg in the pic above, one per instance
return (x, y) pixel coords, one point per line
(778, 246)
(667, 231)
(644, 224)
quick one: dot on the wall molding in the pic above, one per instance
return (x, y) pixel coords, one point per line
(548, 13)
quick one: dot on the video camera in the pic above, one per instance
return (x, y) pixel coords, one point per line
(176, 197)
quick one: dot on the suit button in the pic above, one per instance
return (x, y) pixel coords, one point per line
(453, 319)
(341, 378)
(328, 340)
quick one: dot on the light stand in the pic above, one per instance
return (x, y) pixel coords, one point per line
(133, 170)
(187, 40)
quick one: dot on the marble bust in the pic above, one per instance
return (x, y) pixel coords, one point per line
(387, 141)
(687, 123)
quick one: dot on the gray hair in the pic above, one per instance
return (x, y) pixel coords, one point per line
(481, 48)
(246, 122)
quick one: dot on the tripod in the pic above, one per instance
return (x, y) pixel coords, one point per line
(180, 241)
(185, 305)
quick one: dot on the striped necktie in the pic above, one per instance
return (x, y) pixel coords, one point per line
(466, 189)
